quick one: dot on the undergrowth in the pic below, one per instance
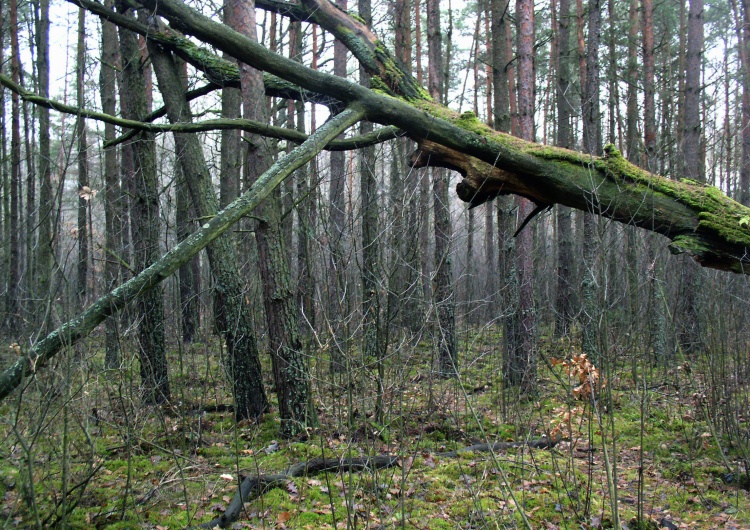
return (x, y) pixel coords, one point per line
(646, 451)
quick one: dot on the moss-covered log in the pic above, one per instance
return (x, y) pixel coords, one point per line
(699, 220)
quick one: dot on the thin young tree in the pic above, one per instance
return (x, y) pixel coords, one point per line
(336, 223)
(84, 191)
(12, 305)
(744, 194)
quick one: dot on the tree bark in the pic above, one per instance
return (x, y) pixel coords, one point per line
(12, 305)
(337, 279)
(145, 224)
(84, 191)
(44, 261)
(444, 298)
(692, 165)
(744, 195)
(521, 366)
(563, 302)
(113, 225)
(233, 318)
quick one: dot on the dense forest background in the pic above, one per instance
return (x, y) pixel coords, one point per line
(362, 318)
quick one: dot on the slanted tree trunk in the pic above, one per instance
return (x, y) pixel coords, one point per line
(113, 225)
(81, 325)
(145, 224)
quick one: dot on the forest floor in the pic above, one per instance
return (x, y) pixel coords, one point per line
(649, 452)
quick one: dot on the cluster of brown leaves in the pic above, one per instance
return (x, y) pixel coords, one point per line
(566, 424)
(582, 370)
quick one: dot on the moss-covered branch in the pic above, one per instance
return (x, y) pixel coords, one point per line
(218, 71)
(700, 220)
(358, 38)
(280, 133)
(80, 326)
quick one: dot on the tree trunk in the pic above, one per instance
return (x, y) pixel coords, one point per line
(444, 298)
(336, 219)
(144, 218)
(12, 305)
(113, 225)
(563, 302)
(522, 364)
(745, 55)
(372, 340)
(692, 165)
(81, 325)
(233, 318)
(84, 191)
(44, 261)
(290, 369)
(188, 279)
(592, 144)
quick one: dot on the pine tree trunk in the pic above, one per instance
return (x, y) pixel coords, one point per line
(336, 220)
(592, 144)
(233, 318)
(563, 302)
(692, 166)
(291, 374)
(145, 224)
(744, 196)
(522, 365)
(443, 293)
(113, 225)
(12, 305)
(83, 168)
(44, 261)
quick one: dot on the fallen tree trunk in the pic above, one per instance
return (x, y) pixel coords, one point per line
(254, 486)
(700, 220)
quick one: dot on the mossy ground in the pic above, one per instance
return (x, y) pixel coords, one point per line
(170, 467)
